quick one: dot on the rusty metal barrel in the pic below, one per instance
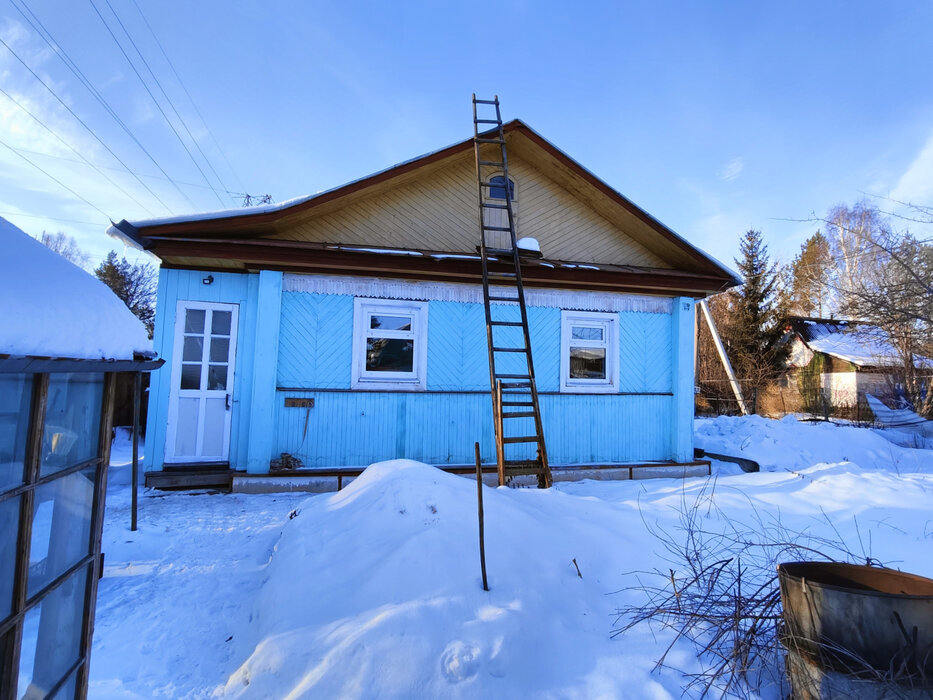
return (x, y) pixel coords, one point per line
(867, 623)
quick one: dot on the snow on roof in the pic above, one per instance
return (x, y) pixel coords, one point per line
(859, 344)
(52, 308)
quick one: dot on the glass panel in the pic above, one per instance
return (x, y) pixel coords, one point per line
(191, 376)
(497, 188)
(61, 527)
(220, 322)
(194, 320)
(52, 637)
(9, 532)
(586, 333)
(217, 377)
(15, 398)
(67, 691)
(220, 349)
(72, 420)
(587, 363)
(186, 434)
(194, 348)
(391, 323)
(215, 413)
(390, 355)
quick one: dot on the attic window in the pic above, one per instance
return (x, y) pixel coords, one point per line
(497, 187)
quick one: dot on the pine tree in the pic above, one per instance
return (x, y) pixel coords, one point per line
(809, 277)
(134, 284)
(755, 333)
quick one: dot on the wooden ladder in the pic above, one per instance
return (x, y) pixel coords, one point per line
(514, 392)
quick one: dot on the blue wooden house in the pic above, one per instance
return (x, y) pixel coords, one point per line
(348, 327)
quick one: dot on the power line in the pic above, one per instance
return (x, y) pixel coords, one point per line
(152, 97)
(74, 150)
(90, 204)
(81, 121)
(96, 224)
(43, 32)
(190, 98)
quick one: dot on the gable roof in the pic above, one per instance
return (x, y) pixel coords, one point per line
(222, 232)
(861, 344)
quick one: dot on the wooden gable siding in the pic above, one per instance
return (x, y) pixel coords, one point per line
(437, 211)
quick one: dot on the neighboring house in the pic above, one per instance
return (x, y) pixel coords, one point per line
(348, 327)
(835, 363)
(63, 338)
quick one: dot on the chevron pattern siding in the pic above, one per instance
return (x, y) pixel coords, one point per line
(544, 328)
(646, 352)
(315, 339)
(457, 358)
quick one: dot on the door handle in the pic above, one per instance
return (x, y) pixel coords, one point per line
(228, 402)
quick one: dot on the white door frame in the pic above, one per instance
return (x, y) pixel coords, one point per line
(202, 393)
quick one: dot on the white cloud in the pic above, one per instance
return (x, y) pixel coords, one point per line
(731, 170)
(916, 184)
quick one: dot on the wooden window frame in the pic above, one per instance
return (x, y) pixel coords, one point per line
(609, 321)
(416, 380)
(11, 629)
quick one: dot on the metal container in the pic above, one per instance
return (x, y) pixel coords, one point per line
(867, 622)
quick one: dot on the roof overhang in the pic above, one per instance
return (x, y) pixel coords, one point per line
(32, 364)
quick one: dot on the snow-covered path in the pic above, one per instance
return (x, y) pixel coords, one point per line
(374, 592)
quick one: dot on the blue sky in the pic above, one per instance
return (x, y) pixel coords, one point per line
(715, 117)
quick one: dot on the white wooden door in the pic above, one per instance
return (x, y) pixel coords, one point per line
(203, 360)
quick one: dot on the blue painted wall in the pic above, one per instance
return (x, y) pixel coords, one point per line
(302, 342)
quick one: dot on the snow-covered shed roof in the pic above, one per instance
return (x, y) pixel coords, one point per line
(862, 345)
(52, 308)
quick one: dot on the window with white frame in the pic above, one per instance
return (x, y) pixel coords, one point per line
(389, 344)
(589, 345)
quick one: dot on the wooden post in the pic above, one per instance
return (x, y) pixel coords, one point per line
(500, 445)
(137, 398)
(479, 501)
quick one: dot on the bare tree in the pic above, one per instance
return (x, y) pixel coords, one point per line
(67, 247)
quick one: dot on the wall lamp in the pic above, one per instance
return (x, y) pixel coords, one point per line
(208, 280)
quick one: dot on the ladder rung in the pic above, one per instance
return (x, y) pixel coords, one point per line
(513, 376)
(524, 438)
(518, 403)
(510, 350)
(497, 163)
(487, 121)
(479, 140)
(485, 102)
(516, 385)
(497, 228)
(505, 323)
(515, 299)
(521, 414)
(493, 273)
(495, 206)
(500, 251)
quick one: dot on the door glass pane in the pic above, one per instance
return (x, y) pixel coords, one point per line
(587, 363)
(390, 323)
(220, 349)
(194, 348)
(52, 637)
(67, 691)
(390, 355)
(72, 420)
(9, 532)
(186, 434)
(220, 322)
(194, 320)
(586, 333)
(215, 414)
(61, 527)
(15, 398)
(191, 376)
(217, 377)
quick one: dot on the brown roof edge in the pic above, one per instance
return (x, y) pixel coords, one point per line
(208, 224)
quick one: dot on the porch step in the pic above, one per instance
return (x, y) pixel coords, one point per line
(176, 478)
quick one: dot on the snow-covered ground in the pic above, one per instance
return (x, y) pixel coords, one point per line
(375, 591)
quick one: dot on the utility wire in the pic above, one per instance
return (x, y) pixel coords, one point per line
(73, 149)
(121, 170)
(96, 224)
(171, 65)
(152, 97)
(171, 104)
(72, 66)
(37, 167)
(81, 121)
